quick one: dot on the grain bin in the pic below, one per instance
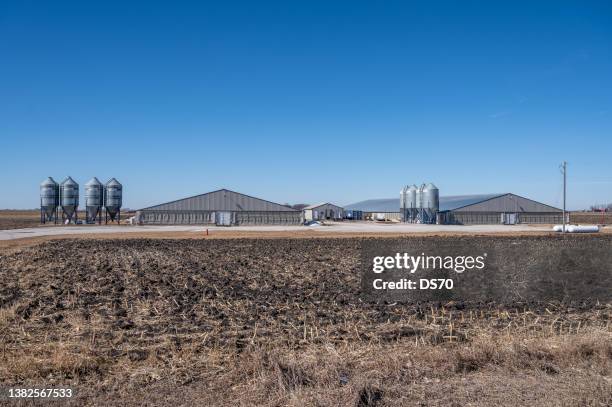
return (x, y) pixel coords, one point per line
(411, 202)
(113, 199)
(49, 200)
(419, 197)
(431, 202)
(69, 200)
(94, 200)
(403, 203)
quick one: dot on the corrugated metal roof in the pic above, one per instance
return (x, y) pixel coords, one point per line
(376, 205)
(505, 203)
(316, 205)
(321, 204)
(447, 203)
(450, 203)
(221, 200)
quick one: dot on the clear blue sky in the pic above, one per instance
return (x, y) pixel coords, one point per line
(307, 101)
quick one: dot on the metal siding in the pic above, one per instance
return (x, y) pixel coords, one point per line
(508, 203)
(167, 217)
(388, 215)
(448, 203)
(321, 211)
(308, 214)
(222, 200)
(492, 218)
(325, 206)
(481, 202)
(376, 205)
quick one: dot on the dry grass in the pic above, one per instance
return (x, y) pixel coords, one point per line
(569, 369)
(404, 372)
(17, 219)
(593, 218)
(277, 322)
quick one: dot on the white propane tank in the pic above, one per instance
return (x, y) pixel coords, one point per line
(577, 228)
(583, 229)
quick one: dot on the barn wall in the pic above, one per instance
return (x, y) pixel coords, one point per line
(222, 200)
(495, 218)
(321, 212)
(508, 203)
(148, 217)
(392, 216)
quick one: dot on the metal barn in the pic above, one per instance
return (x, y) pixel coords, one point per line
(377, 209)
(505, 208)
(495, 209)
(323, 211)
(222, 207)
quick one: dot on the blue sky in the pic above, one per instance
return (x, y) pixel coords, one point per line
(307, 101)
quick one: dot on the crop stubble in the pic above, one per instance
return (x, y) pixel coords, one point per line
(276, 321)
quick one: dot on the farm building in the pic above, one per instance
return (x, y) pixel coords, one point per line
(505, 208)
(494, 209)
(377, 209)
(323, 211)
(222, 207)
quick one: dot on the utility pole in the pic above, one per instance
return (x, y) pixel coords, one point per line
(564, 171)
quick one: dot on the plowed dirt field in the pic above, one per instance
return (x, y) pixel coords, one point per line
(277, 322)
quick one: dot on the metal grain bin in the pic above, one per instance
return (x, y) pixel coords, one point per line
(411, 197)
(403, 203)
(49, 199)
(431, 197)
(403, 197)
(94, 199)
(113, 197)
(419, 197)
(431, 203)
(411, 202)
(69, 197)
